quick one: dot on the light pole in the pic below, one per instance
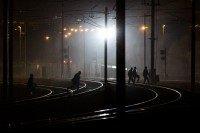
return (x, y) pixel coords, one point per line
(153, 71)
(193, 44)
(105, 46)
(25, 48)
(84, 52)
(96, 67)
(120, 53)
(20, 42)
(144, 29)
(62, 39)
(145, 46)
(7, 49)
(68, 57)
(165, 50)
(23, 38)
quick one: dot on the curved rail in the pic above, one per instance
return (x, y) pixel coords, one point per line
(50, 92)
(147, 101)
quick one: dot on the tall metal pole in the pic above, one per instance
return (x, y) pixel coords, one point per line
(96, 67)
(152, 39)
(25, 48)
(68, 65)
(7, 49)
(193, 45)
(105, 50)
(62, 39)
(165, 63)
(145, 47)
(84, 53)
(20, 41)
(120, 42)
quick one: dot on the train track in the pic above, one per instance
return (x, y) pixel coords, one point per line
(56, 92)
(160, 96)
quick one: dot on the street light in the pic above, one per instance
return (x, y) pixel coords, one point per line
(106, 33)
(144, 27)
(86, 30)
(47, 38)
(92, 30)
(67, 40)
(66, 36)
(163, 28)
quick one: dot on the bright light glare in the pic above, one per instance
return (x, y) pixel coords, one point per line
(108, 33)
(47, 37)
(19, 27)
(37, 66)
(164, 26)
(66, 36)
(144, 27)
(92, 30)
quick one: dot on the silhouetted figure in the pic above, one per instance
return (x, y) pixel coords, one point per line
(130, 75)
(31, 85)
(76, 80)
(135, 75)
(146, 75)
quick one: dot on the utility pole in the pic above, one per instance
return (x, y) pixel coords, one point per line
(7, 49)
(105, 46)
(68, 63)
(165, 63)
(145, 36)
(193, 44)
(62, 39)
(153, 71)
(84, 51)
(120, 42)
(96, 67)
(25, 48)
(20, 41)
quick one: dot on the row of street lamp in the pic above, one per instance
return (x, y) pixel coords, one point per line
(102, 30)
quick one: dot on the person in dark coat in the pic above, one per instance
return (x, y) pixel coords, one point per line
(76, 80)
(130, 75)
(135, 75)
(31, 85)
(146, 75)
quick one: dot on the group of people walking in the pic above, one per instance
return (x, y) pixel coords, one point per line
(134, 76)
